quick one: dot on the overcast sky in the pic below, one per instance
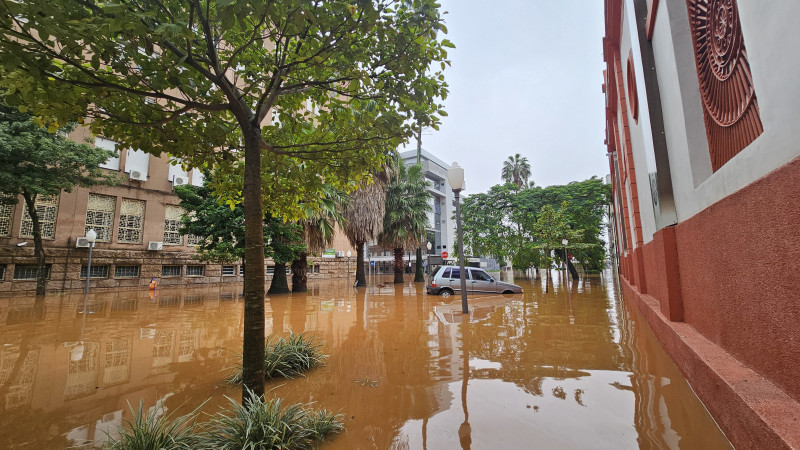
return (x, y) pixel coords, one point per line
(526, 78)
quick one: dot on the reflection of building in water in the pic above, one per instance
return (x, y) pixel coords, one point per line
(118, 362)
(20, 388)
(82, 374)
(132, 350)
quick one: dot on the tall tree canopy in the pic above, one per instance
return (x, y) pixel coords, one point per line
(36, 163)
(516, 170)
(200, 79)
(502, 222)
(406, 215)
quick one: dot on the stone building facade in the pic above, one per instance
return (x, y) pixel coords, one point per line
(137, 223)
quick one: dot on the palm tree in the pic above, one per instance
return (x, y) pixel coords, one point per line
(364, 216)
(406, 215)
(517, 170)
(318, 232)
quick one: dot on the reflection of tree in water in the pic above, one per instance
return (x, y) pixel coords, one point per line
(534, 341)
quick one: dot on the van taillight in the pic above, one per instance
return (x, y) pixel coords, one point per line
(433, 284)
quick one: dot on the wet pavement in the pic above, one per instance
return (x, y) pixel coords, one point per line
(570, 369)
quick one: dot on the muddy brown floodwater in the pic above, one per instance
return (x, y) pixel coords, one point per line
(570, 369)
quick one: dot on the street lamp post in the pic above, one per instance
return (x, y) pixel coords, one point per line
(428, 256)
(349, 254)
(91, 238)
(455, 176)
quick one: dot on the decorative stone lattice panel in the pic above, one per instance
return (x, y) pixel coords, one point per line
(172, 225)
(100, 216)
(46, 211)
(6, 214)
(131, 221)
(730, 108)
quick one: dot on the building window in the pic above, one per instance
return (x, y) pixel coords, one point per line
(195, 271)
(170, 271)
(6, 214)
(126, 272)
(228, 271)
(241, 270)
(131, 220)
(2, 272)
(97, 271)
(46, 210)
(270, 270)
(100, 216)
(316, 268)
(172, 225)
(28, 271)
(112, 162)
(193, 240)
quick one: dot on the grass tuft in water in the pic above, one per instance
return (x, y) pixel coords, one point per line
(269, 424)
(156, 430)
(287, 357)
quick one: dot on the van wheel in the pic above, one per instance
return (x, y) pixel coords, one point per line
(445, 294)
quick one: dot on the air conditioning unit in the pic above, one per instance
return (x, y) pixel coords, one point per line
(138, 175)
(340, 254)
(155, 245)
(81, 242)
(179, 181)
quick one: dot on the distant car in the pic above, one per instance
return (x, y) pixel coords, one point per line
(446, 281)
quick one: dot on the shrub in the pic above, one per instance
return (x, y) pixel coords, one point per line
(269, 424)
(288, 357)
(156, 430)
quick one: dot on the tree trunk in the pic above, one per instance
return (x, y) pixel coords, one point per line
(399, 267)
(572, 270)
(279, 285)
(38, 249)
(361, 277)
(300, 273)
(253, 342)
(420, 273)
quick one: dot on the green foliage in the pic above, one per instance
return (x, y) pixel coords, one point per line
(345, 80)
(288, 357)
(35, 161)
(502, 222)
(156, 430)
(407, 207)
(222, 227)
(270, 424)
(516, 170)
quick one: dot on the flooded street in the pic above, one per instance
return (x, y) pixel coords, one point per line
(572, 368)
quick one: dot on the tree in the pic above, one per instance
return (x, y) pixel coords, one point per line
(550, 228)
(516, 170)
(406, 215)
(35, 163)
(200, 79)
(364, 218)
(318, 232)
(221, 228)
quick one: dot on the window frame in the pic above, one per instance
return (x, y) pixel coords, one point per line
(165, 275)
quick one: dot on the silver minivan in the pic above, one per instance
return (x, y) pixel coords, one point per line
(446, 281)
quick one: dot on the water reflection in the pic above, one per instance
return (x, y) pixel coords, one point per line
(571, 368)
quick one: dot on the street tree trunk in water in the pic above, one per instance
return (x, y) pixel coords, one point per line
(279, 285)
(253, 343)
(38, 249)
(361, 277)
(300, 273)
(398, 265)
(419, 274)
